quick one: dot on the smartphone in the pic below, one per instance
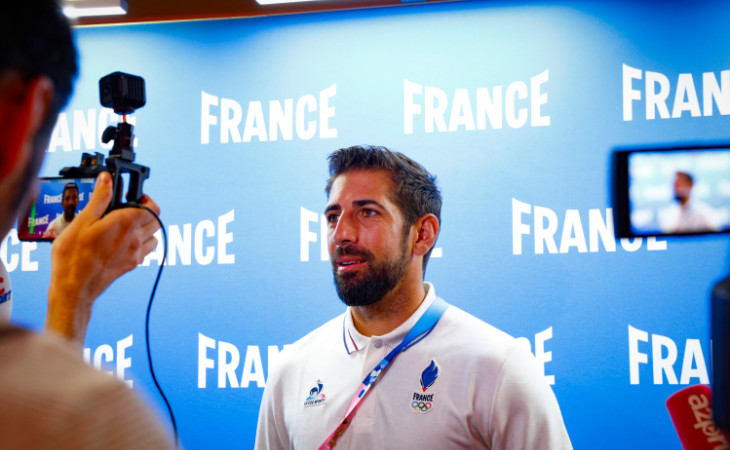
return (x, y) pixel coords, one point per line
(57, 202)
(671, 191)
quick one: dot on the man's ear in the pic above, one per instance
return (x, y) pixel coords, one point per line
(24, 106)
(427, 230)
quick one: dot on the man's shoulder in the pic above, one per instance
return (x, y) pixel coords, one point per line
(461, 330)
(317, 341)
(471, 325)
(323, 333)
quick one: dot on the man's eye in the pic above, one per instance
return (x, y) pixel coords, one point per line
(369, 212)
(332, 219)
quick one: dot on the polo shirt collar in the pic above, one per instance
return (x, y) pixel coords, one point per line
(355, 342)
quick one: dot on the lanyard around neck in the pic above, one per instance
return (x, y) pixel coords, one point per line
(419, 331)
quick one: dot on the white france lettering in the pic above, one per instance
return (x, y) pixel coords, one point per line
(663, 360)
(225, 238)
(228, 360)
(537, 99)
(231, 115)
(308, 116)
(204, 363)
(489, 106)
(255, 123)
(281, 120)
(410, 107)
(635, 355)
(657, 92)
(207, 242)
(664, 355)
(660, 96)
(686, 97)
(207, 118)
(518, 227)
(543, 357)
(629, 93)
(307, 237)
(10, 256)
(103, 356)
(327, 112)
(716, 94)
(546, 225)
(227, 366)
(83, 131)
(510, 105)
(461, 113)
(306, 129)
(693, 363)
(516, 117)
(436, 104)
(253, 369)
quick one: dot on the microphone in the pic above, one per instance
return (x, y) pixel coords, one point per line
(691, 412)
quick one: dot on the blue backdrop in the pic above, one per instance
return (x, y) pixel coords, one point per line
(515, 106)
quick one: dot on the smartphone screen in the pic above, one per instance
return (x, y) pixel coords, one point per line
(675, 191)
(56, 204)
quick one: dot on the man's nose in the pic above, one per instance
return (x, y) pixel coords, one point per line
(345, 231)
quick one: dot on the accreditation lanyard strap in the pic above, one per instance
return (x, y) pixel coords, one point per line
(419, 331)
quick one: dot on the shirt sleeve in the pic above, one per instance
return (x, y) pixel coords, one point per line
(525, 413)
(270, 431)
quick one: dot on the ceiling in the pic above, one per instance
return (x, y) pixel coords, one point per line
(141, 11)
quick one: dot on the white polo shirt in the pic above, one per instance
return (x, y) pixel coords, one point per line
(467, 385)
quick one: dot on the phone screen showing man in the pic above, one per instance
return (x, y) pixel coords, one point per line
(57, 203)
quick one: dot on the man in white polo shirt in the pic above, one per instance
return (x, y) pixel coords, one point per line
(461, 383)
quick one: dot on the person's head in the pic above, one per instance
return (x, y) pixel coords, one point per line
(70, 200)
(38, 67)
(397, 209)
(683, 183)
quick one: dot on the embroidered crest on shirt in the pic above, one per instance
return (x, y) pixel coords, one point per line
(423, 402)
(316, 397)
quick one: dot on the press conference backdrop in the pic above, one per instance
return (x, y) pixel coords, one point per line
(515, 106)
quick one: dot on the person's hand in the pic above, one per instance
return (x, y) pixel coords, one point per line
(93, 252)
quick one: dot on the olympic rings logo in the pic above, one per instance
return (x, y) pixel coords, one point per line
(421, 406)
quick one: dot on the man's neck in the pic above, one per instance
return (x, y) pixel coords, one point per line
(391, 311)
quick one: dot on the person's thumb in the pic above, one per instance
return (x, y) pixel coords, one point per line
(100, 198)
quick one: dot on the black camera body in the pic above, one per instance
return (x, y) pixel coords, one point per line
(124, 93)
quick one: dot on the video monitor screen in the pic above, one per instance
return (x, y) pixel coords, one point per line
(673, 191)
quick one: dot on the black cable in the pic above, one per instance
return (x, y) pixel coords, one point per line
(147, 319)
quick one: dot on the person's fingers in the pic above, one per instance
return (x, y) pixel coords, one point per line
(148, 202)
(99, 200)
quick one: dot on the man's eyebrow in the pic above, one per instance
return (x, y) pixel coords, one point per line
(367, 202)
(358, 203)
(332, 208)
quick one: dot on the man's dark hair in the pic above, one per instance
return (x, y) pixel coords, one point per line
(687, 176)
(416, 193)
(36, 40)
(70, 185)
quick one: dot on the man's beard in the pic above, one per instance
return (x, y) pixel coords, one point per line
(69, 213)
(369, 287)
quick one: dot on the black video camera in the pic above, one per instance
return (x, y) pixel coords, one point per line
(59, 198)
